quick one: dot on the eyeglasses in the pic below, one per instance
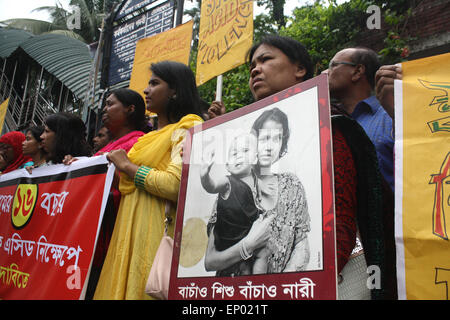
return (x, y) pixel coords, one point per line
(335, 63)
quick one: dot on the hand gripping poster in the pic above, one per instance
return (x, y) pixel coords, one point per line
(49, 223)
(422, 178)
(255, 217)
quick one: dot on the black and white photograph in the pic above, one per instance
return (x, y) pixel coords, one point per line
(254, 195)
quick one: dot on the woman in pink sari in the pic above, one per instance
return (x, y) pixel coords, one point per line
(124, 117)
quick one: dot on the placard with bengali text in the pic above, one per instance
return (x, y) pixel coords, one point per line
(226, 33)
(49, 223)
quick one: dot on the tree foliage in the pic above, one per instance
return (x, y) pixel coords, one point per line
(276, 10)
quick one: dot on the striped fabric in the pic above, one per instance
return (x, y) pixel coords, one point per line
(141, 174)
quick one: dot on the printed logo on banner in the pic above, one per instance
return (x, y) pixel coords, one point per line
(23, 204)
(441, 100)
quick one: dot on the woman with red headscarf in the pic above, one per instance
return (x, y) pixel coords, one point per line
(11, 151)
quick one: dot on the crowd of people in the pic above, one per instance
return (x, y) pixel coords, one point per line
(148, 171)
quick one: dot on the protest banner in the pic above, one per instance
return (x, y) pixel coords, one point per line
(422, 178)
(174, 45)
(294, 155)
(49, 223)
(226, 34)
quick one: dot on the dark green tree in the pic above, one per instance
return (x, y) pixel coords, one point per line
(276, 11)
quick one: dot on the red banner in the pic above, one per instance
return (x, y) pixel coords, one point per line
(49, 222)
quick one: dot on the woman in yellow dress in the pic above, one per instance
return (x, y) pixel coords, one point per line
(149, 180)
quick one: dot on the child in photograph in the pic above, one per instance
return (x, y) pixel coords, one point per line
(236, 208)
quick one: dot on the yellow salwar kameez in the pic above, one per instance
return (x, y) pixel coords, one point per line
(140, 219)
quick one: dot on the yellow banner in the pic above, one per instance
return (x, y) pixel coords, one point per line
(3, 108)
(226, 34)
(174, 45)
(423, 193)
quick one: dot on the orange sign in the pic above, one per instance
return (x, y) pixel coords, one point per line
(226, 34)
(3, 107)
(174, 45)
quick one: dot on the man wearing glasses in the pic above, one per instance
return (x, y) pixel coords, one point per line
(351, 78)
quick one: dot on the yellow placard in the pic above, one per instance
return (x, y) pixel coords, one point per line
(425, 185)
(3, 108)
(174, 45)
(226, 34)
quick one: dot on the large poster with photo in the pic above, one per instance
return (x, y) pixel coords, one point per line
(255, 215)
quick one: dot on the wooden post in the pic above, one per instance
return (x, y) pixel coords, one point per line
(219, 88)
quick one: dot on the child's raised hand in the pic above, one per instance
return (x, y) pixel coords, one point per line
(208, 160)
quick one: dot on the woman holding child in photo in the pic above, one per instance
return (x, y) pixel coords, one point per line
(276, 239)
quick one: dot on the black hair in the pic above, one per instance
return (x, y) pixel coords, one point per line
(129, 97)
(70, 136)
(108, 133)
(293, 49)
(36, 132)
(369, 59)
(278, 116)
(180, 78)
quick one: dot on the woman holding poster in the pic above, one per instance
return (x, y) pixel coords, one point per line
(150, 179)
(124, 119)
(277, 63)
